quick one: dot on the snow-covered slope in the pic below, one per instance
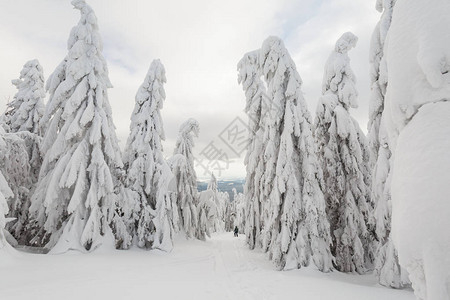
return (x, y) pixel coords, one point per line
(220, 268)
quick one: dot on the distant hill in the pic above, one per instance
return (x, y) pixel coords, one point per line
(224, 186)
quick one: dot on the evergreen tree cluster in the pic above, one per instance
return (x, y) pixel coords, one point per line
(318, 191)
(65, 184)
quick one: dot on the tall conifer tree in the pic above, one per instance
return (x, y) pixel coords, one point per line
(148, 173)
(344, 156)
(74, 199)
(186, 179)
(296, 227)
(256, 104)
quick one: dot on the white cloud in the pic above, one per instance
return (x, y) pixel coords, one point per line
(198, 41)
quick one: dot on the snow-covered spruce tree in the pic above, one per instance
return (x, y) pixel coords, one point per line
(212, 184)
(386, 265)
(148, 173)
(73, 201)
(230, 211)
(24, 158)
(255, 92)
(222, 210)
(297, 227)
(167, 218)
(343, 153)
(378, 76)
(240, 206)
(26, 111)
(16, 169)
(207, 213)
(5, 192)
(27, 107)
(186, 179)
(219, 222)
(214, 195)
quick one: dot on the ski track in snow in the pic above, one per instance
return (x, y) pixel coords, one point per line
(221, 268)
(232, 263)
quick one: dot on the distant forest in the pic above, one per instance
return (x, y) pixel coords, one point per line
(225, 186)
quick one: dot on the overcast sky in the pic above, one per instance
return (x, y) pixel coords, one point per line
(200, 43)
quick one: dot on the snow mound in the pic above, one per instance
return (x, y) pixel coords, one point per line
(421, 195)
(71, 237)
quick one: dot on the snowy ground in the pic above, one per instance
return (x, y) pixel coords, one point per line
(221, 268)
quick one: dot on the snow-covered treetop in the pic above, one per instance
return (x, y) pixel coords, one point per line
(257, 104)
(338, 77)
(32, 69)
(78, 91)
(346, 42)
(146, 128)
(386, 7)
(381, 5)
(88, 18)
(377, 45)
(248, 71)
(185, 140)
(27, 107)
(152, 87)
(146, 117)
(189, 126)
(84, 58)
(273, 56)
(272, 51)
(379, 37)
(250, 77)
(277, 66)
(212, 185)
